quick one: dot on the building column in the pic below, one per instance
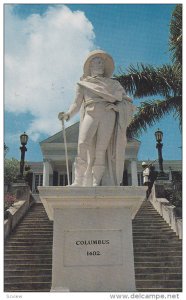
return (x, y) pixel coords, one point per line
(170, 174)
(73, 171)
(134, 173)
(47, 171)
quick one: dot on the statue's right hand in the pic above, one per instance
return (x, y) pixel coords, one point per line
(63, 116)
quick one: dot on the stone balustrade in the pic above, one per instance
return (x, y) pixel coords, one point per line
(166, 210)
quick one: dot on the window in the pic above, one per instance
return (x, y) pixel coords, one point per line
(140, 178)
(37, 182)
(63, 179)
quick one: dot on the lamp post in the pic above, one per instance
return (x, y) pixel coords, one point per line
(159, 146)
(23, 140)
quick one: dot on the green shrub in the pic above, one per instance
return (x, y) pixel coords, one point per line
(11, 169)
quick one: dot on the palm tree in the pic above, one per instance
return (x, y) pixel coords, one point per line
(5, 149)
(164, 81)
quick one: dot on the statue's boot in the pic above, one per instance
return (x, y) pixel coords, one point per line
(98, 172)
(88, 179)
(80, 168)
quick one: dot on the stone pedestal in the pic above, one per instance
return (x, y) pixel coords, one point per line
(160, 186)
(21, 190)
(92, 243)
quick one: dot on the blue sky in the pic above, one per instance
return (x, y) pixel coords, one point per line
(45, 48)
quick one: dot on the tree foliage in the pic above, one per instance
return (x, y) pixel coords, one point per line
(163, 82)
(175, 39)
(11, 169)
(5, 149)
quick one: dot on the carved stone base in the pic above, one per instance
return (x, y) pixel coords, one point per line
(92, 243)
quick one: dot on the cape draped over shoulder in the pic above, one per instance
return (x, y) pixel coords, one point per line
(111, 91)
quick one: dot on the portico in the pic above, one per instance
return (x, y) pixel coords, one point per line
(54, 165)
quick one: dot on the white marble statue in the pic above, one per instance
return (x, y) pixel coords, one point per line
(106, 111)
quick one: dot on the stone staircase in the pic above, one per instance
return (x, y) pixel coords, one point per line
(28, 254)
(157, 253)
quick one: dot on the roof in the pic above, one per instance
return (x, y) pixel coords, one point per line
(72, 133)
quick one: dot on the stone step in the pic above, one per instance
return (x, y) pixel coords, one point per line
(28, 267)
(146, 246)
(158, 253)
(35, 222)
(160, 248)
(153, 235)
(38, 210)
(157, 264)
(42, 290)
(36, 230)
(31, 234)
(148, 216)
(146, 207)
(34, 213)
(30, 230)
(33, 248)
(151, 213)
(149, 233)
(25, 286)
(27, 256)
(154, 270)
(27, 251)
(37, 272)
(25, 240)
(157, 242)
(159, 283)
(28, 261)
(151, 226)
(150, 222)
(159, 290)
(159, 276)
(38, 219)
(29, 243)
(147, 212)
(144, 220)
(34, 226)
(153, 258)
(28, 279)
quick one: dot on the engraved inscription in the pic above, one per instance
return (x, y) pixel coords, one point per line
(92, 242)
(93, 253)
(92, 247)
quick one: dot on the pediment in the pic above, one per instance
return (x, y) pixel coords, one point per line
(72, 133)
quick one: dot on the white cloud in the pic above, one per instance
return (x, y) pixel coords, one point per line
(43, 61)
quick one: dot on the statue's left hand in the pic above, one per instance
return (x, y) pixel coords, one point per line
(112, 106)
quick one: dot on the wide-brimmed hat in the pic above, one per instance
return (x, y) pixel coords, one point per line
(108, 61)
(144, 164)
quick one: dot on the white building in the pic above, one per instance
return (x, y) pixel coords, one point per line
(52, 171)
